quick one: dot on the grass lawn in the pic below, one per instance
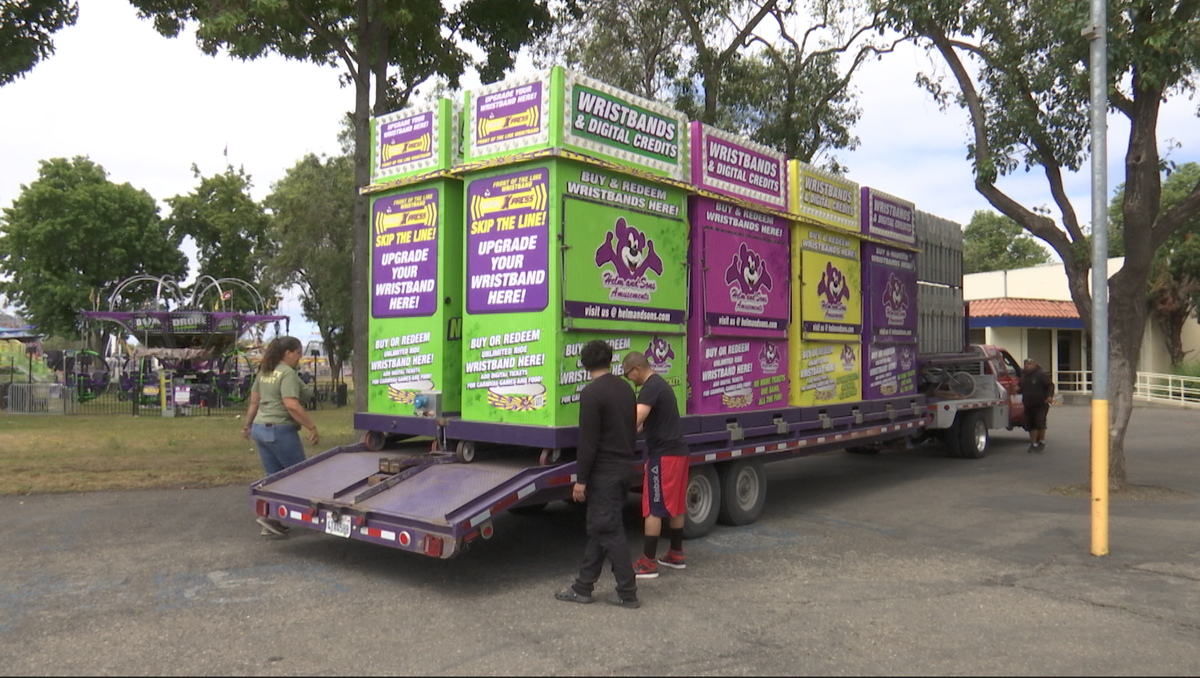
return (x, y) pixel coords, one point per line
(83, 453)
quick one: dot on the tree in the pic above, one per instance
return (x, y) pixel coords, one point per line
(1174, 285)
(1028, 103)
(633, 45)
(394, 45)
(26, 30)
(993, 242)
(72, 234)
(718, 29)
(313, 208)
(230, 230)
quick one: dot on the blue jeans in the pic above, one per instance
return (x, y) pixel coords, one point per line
(279, 446)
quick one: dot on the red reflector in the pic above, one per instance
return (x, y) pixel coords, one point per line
(261, 508)
(432, 546)
(405, 539)
(947, 407)
(486, 532)
(283, 512)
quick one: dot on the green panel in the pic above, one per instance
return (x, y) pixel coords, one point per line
(667, 355)
(607, 123)
(415, 324)
(415, 141)
(509, 356)
(626, 252)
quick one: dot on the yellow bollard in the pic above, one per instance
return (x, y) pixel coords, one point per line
(1099, 477)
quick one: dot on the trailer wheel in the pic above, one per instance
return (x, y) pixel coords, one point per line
(375, 440)
(973, 437)
(743, 491)
(464, 452)
(703, 501)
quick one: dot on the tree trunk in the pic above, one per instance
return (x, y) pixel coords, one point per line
(362, 176)
(1126, 329)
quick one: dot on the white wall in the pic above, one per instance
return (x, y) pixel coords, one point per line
(1047, 281)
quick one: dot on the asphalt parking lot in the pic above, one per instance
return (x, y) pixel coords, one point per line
(902, 563)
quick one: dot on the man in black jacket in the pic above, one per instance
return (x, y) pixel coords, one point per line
(1036, 389)
(604, 460)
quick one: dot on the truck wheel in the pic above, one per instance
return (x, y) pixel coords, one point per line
(703, 501)
(973, 437)
(743, 491)
(375, 440)
(464, 452)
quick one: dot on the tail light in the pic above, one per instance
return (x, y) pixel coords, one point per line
(262, 508)
(432, 546)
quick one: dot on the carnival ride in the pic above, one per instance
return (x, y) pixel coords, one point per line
(178, 343)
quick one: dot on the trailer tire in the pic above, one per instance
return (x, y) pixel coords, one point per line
(973, 437)
(743, 491)
(703, 501)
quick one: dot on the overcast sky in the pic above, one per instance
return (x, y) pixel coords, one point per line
(147, 107)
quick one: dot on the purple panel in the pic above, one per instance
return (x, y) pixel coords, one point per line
(891, 293)
(722, 164)
(406, 140)
(891, 371)
(410, 426)
(735, 375)
(888, 217)
(508, 242)
(745, 270)
(319, 482)
(438, 490)
(507, 114)
(405, 255)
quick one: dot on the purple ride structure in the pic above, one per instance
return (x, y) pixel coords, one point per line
(186, 358)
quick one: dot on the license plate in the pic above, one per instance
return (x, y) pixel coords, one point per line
(338, 528)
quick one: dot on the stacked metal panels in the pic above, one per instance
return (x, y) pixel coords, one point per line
(942, 312)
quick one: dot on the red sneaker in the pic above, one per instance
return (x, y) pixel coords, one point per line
(673, 560)
(645, 568)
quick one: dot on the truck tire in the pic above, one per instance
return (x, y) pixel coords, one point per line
(973, 436)
(952, 437)
(743, 491)
(703, 501)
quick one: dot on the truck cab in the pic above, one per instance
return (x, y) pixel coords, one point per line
(1008, 374)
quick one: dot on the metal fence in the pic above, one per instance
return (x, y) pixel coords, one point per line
(1152, 387)
(39, 398)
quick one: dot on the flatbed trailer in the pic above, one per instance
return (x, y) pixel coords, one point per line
(438, 495)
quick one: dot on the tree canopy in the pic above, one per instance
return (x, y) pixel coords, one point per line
(777, 72)
(1174, 285)
(392, 46)
(27, 29)
(993, 242)
(71, 234)
(230, 230)
(1020, 69)
(313, 208)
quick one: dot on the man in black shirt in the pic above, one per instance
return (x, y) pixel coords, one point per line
(605, 456)
(664, 488)
(1036, 390)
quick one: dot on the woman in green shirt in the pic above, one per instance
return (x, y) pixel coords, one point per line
(275, 415)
